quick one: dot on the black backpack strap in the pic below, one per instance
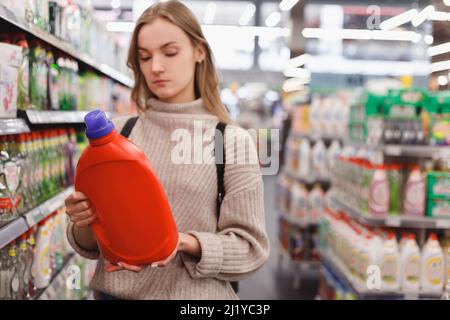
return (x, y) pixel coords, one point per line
(219, 152)
(128, 127)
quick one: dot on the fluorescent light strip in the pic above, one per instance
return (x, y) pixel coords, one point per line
(360, 34)
(210, 13)
(297, 73)
(287, 5)
(422, 16)
(298, 61)
(273, 19)
(247, 14)
(440, 66)
(439, 16)
(439, 49)
(398, 20)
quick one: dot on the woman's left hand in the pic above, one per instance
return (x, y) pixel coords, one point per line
(186, 243)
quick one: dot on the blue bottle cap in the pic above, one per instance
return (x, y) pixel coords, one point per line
(97, 124)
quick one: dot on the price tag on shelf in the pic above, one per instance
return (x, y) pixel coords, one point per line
(393, 221)
(393, 150)
(443, 224)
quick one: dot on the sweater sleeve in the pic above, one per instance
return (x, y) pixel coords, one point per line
(240, 246)
(88, 254)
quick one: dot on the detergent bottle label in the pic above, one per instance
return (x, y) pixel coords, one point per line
(412, 270)
(389, 269)
(434, 270)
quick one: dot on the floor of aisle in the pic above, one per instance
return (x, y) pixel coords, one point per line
(274, 281)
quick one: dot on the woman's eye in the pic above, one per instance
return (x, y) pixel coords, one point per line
(145, 58)
(171, 54)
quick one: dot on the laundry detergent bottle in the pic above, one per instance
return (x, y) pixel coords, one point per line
(134, 221)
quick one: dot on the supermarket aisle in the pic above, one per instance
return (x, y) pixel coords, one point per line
(272, 281)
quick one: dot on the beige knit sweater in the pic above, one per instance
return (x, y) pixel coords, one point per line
(231, 248)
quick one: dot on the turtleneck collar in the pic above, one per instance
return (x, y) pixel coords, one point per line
(192, 107)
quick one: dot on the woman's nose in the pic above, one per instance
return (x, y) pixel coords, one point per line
(157, 66)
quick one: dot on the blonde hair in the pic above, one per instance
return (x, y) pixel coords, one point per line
(206, 83)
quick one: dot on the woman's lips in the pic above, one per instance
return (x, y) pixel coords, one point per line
(158, 82)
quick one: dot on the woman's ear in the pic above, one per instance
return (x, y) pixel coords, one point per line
(199, 54)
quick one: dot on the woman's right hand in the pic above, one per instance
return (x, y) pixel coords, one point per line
(80, 210)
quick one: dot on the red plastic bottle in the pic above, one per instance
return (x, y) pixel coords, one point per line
(134, 221)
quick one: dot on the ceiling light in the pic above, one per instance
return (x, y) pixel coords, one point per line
(443, 80)
(210, 13)
(115, 4)
(439, 49)
(247, 15)
(273, 19)
(361, 34)
(422, 16)
(428, 39)
(287, 5)
(440, 66)
(398, 20)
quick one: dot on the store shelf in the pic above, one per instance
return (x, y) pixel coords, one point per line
(316, 137)
(15, 228)
(36, 117)
(13, 126)
(393, 221)
(329, 260)
(11, 18)
(58, 280)
(39, 213)
(396, 150)
(12, 230)
(306, 180)
(294, 221)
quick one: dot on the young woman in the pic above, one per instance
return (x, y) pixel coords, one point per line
(176, 87)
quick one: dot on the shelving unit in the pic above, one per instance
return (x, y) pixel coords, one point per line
(10, 17)
(15, 228)
(316, 137)
(393, 221)
(360, 290)
(13, 126)
(395, 150)
(305, 180)
(58, 280)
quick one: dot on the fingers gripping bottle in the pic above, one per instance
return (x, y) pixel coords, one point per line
(134, 221)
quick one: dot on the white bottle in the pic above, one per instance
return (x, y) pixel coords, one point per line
(326, 127)
(316, 203)
(432, 266)
(314, 115)
(304, 166)
(41, 263)
(319, 159)
(332, 154)
(389, 260)
(299, 205)
(410, 261)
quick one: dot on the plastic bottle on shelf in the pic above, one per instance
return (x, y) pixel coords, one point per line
(29, 272)
(314, 116)
(446, 251)
(410, 261)
(147, 233)
(23, 97)
(395, 187)
(319, 160)
(22, 261)
(432, 265)
(332, 155)
(414, 193)
(299, 205)
(379, 192)
(316, 203)
(389, 260)
(41, 261)
(304, 166)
